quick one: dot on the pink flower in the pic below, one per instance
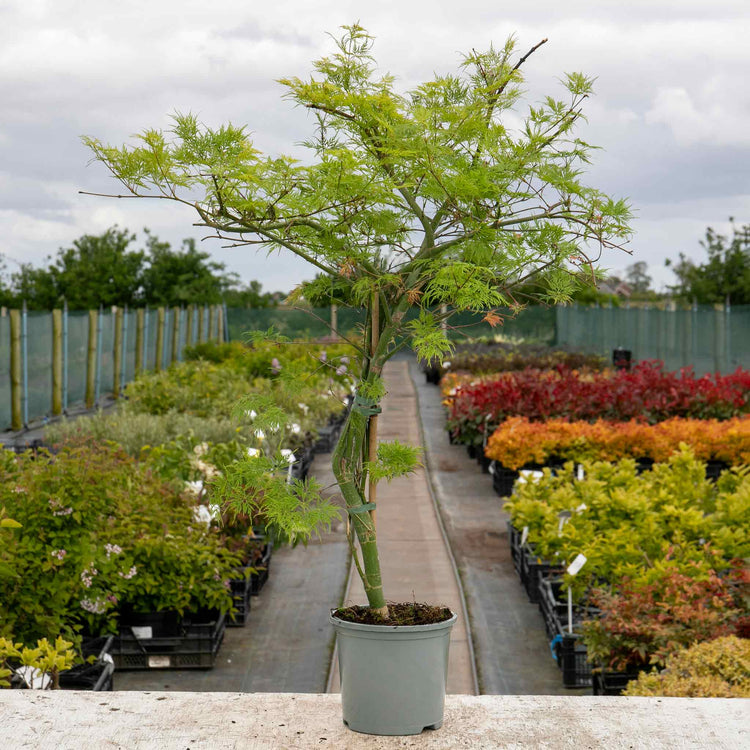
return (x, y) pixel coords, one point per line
(59, 554)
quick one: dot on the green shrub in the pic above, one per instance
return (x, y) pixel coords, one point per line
(133, 431)
(715, 669)
(97, 530)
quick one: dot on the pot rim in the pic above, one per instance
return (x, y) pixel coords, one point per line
(369, 628)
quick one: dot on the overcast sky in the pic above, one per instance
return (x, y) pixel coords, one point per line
(671, 111)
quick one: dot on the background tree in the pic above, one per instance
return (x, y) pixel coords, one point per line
(105, 270)
(252, 296)
(413, 199)
(182, 277)
(725, 276)
(637, 278)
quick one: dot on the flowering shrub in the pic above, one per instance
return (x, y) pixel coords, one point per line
(518, 441)
(646, 393)
(715, 669)
(646, 618)
(99, 530)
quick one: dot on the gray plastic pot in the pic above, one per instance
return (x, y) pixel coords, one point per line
(393, 676)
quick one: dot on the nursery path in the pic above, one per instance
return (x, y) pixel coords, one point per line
(415, 560)
(511, 647)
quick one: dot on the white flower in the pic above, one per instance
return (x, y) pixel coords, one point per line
(201, 449)
(97, 606)
(288, 455)
(260, 434)
(296, 429)
(208, 470)
(252, 413)
(253, 452)
(446, 365)
(194, 488)
(112, 549)
(201, 514)
(127, 576)
(305, 408)
(215, 511)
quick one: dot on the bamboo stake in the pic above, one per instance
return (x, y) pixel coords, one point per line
(117, 354)
(219, 324)
(91, 360)
(189, 326)
(140, 319)
(57, 363)
(211, 322)
(201, 322)
(175, 333)
(161, 319)
(16, 422)
(373, 433)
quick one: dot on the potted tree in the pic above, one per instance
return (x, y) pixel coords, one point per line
(412, 206)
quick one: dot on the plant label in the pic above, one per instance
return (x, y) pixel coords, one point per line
(159, 661)
(524, 535)
(579, 472)
(575, 567)
(143, 633)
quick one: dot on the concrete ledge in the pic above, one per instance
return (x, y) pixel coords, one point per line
(92, 721)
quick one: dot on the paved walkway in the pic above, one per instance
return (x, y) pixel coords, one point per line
(414, 558)
(511, 646)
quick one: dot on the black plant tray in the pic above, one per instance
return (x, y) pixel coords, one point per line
(553, 605)
(161, 640)
(259, 578)
(241, 587)
(533, 571)
(572, 658)
(327, 437)
(502, 479)
(612, 683)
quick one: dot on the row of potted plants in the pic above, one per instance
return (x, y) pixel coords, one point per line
(646, 392)
(662, 563)
(154, 559)
(518, 441)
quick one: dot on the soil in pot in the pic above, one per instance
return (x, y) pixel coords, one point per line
(407, 613)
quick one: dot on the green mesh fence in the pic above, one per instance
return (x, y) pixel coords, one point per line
(39, 353)
(708, 339)
(532, 324)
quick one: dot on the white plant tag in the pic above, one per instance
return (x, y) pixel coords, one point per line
(524, 535)
(575, 567)
(143, 632)
(158, 662)
(528, 475)
(581, 508)
(579, 473)
(35, 679)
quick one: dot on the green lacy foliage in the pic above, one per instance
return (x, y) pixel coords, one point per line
(395, 459)
(716, 669)
(622, 520)
(98, 531)
(426, 197)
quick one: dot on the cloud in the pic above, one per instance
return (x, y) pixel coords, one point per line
(711, 123)
(670, 108)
